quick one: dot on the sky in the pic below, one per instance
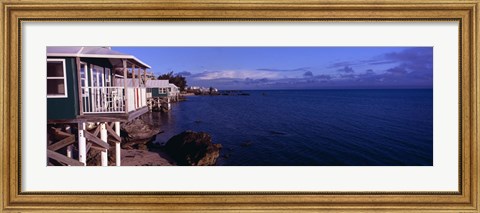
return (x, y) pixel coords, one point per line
(250, 68)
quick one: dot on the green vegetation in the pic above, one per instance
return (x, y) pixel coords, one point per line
(176, 79)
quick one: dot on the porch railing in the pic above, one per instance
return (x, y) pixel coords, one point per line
(112, 99)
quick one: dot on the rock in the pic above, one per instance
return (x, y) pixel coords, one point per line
(193, 149)
(138, 134)
(138, 129)
(133, 157)
(94, 157)
(137, 144)
(145, 158)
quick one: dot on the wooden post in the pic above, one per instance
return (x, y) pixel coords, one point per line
(145, 76)
(79, 85)
(82, 144)
(140, 76)
(168, 104)
(70, 147)
(104, 136)
(117, 146)
(125, 95)
(133, 75)
(69, 151)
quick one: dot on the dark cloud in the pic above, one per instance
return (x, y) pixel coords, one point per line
(409, 68)
(413, 55)
(184, 73)
(412, 67)
(398, 70)
(323, 77)
(346, 69)
(308, 74)
(284, 70)
(413, 62)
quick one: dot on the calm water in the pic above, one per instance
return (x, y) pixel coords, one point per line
(312, 127)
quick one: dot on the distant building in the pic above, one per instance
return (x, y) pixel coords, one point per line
(202, 90)
(173, 91)
(157, 88)
(193, 88)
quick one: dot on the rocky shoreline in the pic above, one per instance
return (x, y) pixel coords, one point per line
(139, 149)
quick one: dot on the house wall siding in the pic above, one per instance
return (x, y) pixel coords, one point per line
(65, 108)
(156, 93)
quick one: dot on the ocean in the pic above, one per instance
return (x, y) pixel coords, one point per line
(311, 127)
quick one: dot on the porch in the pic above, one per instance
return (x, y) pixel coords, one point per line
(105, 100)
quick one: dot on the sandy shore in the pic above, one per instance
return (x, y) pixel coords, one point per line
(135, 157)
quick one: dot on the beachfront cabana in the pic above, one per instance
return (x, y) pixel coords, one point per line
(84, 84)
(157, 88)
(173, 91)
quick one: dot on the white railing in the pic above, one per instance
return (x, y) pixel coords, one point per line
(112, 99)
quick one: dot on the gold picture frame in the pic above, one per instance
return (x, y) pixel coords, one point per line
(15, 12)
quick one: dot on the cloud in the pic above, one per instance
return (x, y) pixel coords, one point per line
(343, 64)
(323, 77)
(380, 62)
(369, 72)
(256, 81)
(184, 73)
(346, 69)
(348, 76)
(308, 74)
(408, 68)
(413, 62)
(235, 74)
(398, 70)
(284, 70)
(417, 54)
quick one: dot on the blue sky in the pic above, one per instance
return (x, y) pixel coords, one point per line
(293, 67)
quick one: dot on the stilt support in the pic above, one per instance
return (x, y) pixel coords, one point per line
(117, 145)
(103, 137)
(69, 151)
(82, 144)
(70, 147)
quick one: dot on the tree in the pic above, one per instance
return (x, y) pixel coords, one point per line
(176, 79)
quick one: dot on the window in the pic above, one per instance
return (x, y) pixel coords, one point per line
(56, 78)
(108, 78)
(83, 79)
(97, 76)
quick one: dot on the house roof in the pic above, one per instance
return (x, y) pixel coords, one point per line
(157, 83)
(91, 52)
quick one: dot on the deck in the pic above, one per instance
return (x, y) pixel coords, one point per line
(104, 117)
